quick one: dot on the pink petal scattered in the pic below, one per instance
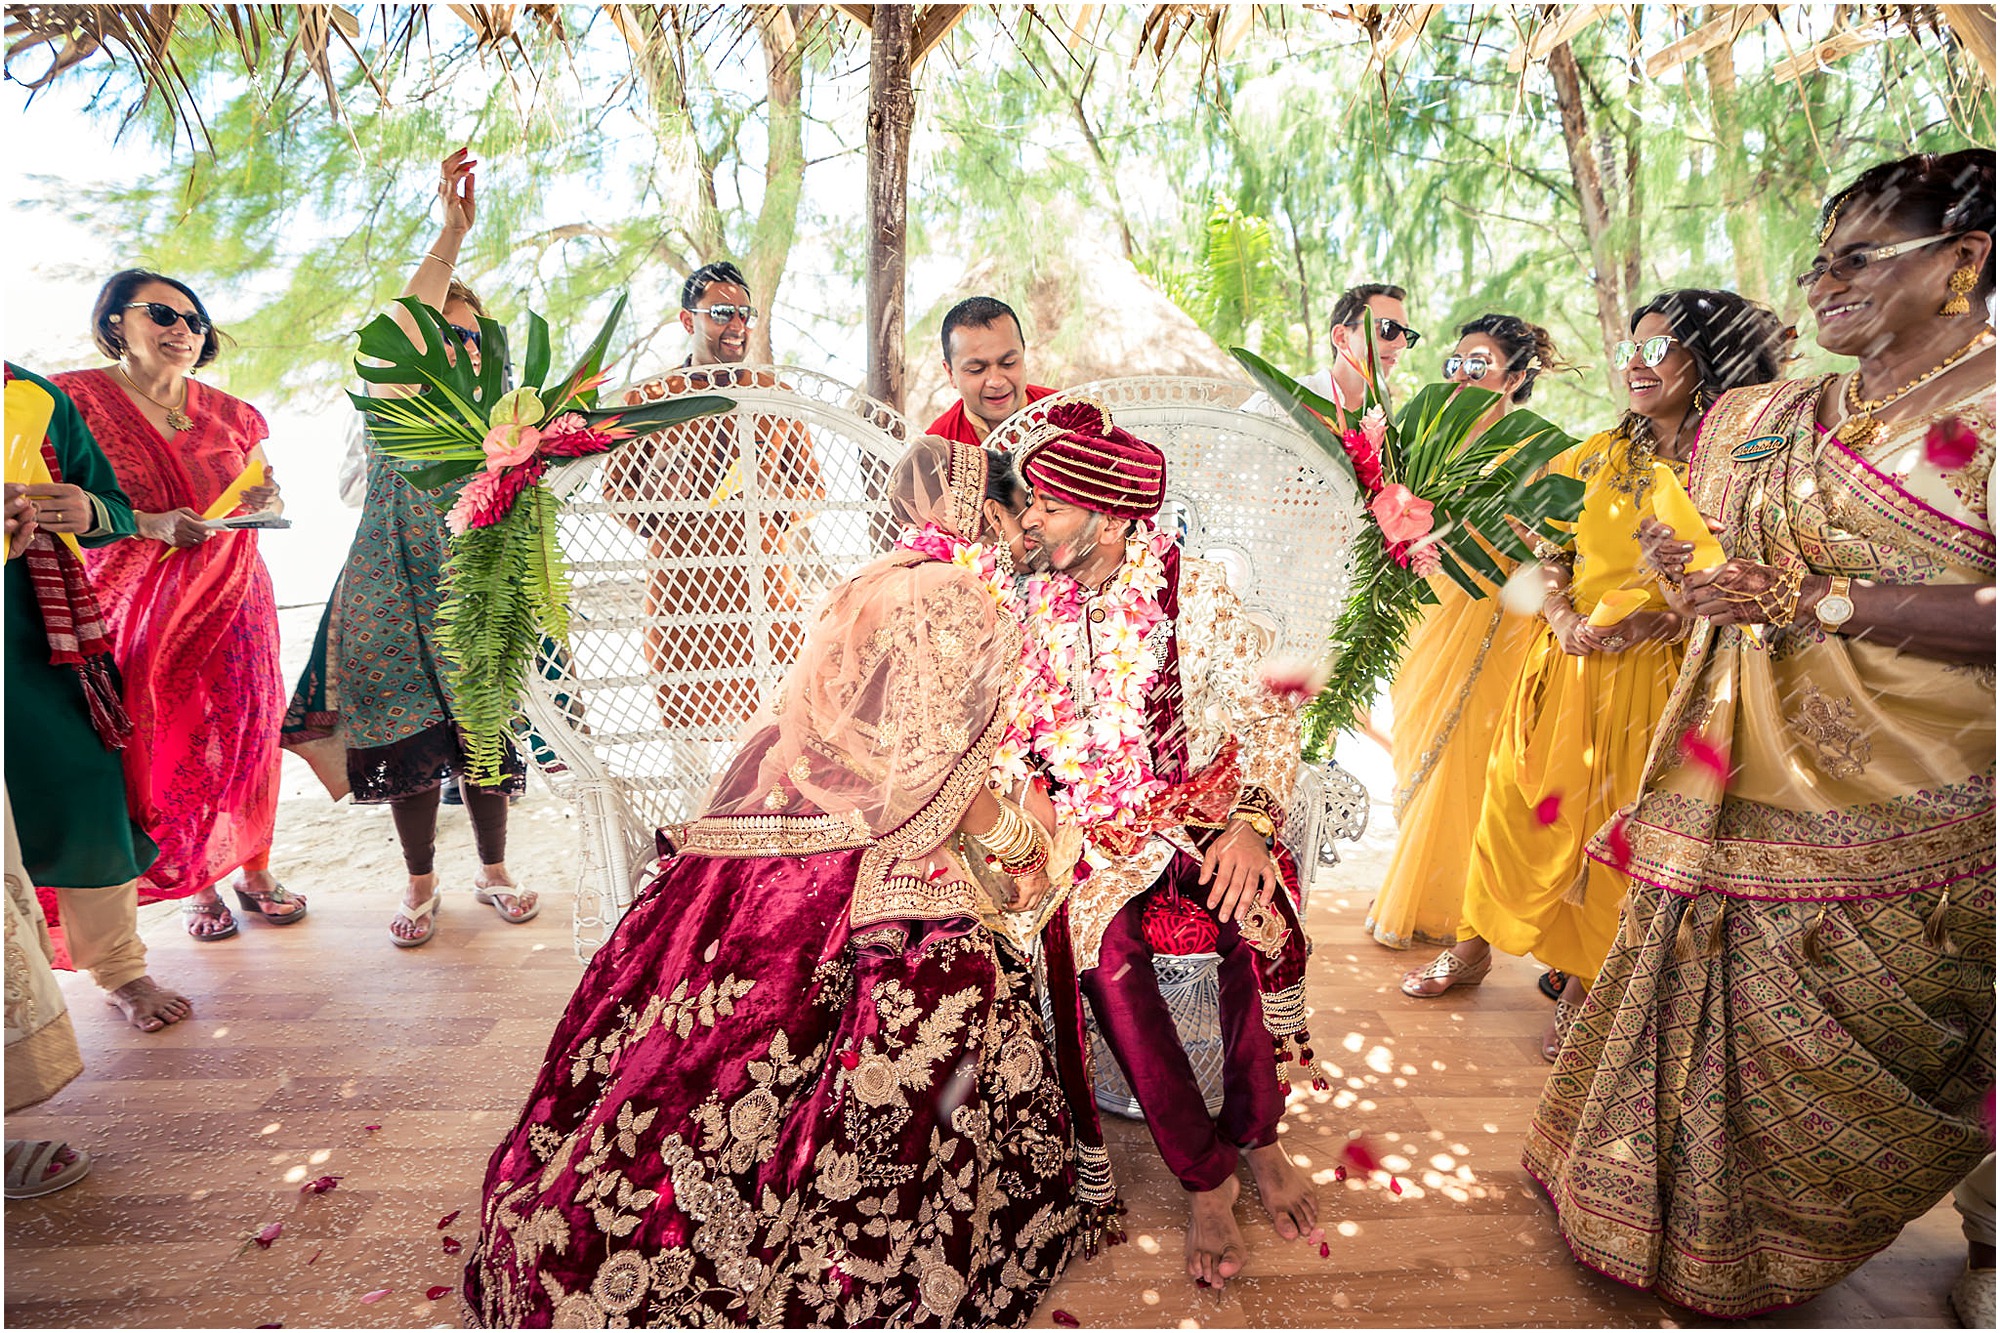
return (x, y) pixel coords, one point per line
(371, 1128)
(320, 1186)
(1618, 845)
(1549, 809)
(1325, 1250)
(1395, 1185)
(1361, 1156)
(1950, 444)
(437, 1293)
(1702, 752)
(1065, 1318)
(374, 1296)
(449, 1218)
(848, 1059)
(279, 1325)
(1339, 1174)
(452, 1245)
(315, 1258)
(271, 1231)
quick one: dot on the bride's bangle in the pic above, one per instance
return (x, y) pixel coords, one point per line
(1015, 843)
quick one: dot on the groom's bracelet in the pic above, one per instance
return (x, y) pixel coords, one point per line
(1265, 827)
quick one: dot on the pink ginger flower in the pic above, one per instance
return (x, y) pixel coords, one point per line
(490, 496)
(1366, 457)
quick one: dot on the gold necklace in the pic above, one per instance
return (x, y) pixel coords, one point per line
(1860, 429)
(177, 420)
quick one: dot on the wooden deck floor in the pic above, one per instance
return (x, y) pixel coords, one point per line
(320, 1050)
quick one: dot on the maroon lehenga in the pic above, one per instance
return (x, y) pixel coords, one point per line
(803, 1083)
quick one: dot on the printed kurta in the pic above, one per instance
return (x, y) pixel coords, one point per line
(1785, 1056)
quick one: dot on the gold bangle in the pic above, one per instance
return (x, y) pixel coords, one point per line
(442, 260)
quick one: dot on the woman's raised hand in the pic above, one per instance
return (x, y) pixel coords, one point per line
(455, 188)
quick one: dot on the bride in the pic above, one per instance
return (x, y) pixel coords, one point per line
(804, 1083)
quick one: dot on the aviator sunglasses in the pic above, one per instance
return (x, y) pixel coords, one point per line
(1474, 366)
(1651, 352)
(720, 315)
(1847, 267)
(164, 315)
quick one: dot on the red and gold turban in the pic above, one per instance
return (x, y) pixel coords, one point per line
(1077, 456)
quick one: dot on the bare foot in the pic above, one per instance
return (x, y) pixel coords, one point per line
(1214, 1245)
(1286, 1193)
(149, 1006)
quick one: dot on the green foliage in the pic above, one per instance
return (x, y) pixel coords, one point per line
(506, 585)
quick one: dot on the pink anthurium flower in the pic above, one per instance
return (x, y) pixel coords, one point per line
(1400, 514)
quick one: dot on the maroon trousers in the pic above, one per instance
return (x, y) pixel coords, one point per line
(1132, 1016)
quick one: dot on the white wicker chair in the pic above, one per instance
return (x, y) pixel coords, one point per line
(1249, 490)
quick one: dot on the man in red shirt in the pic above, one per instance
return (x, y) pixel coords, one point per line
(987, 359)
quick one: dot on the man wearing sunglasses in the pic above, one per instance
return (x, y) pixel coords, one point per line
(684, 491)
(1344, 384)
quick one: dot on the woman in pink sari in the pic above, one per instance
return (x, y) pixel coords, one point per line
(193, 621)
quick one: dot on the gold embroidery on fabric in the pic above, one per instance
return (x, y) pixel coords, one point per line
(1436, 749)
(763, 835)
(800, 771)
(1840, 750)
(775, 799)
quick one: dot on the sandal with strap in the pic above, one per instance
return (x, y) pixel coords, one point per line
(255, 903)
(491, 897)
(215, 911)
(1552, 982)
(1559, 1026)
(42, 1166)
(1449, 968)
(425, 915)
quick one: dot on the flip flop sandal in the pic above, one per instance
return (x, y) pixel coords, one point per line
(1449, 968)
(425, 915)
(491, 897)
(253, 903)
(213, 912)
(1551, 983)
(36, 1167)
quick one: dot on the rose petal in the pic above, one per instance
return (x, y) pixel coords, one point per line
(1339, 1174)
(1950, 444)
(1617, 845)
(1363, 1157)
(436, 1293)
(1065, 1318)
(1549, 809)
(1395, 1185)
(371, 1297)
(452, 1245)
(1702, 752)
(449, 1218)
(371, 1128)
(1325, 1250)
(320, 1186)
(270, 1232)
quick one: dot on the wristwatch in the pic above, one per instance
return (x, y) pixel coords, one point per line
(1837, 607)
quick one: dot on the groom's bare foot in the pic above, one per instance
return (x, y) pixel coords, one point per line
(1287, 1195)
(149, 1006)
(1214, 1245)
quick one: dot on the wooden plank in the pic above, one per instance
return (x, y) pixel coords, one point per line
(1550, 35)
(933, 27)
(1717, 32)
(1837, 47)
(862, 14)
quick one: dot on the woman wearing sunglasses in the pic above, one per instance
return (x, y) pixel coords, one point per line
(195, 635)
(372, 713)
(1788, 1054)
(1452, 684)
(1571, 742)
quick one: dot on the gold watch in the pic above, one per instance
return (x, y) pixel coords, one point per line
(1837, 607)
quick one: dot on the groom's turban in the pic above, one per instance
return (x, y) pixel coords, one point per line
(1077, 456)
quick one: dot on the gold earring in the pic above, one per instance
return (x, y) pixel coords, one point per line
(1963, 279)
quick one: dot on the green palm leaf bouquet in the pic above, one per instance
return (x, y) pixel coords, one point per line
(507, 584)
(1439, 492)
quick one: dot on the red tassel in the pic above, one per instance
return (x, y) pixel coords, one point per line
(1321, 1085)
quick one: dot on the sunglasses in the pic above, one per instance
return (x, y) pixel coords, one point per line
(1474, 366)
(1849, 266)
(1651, 352)
(164, 315)
(721, 315)
(1388, 330)
(470, 337)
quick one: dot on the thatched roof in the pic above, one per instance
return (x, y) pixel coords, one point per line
(1095, 317)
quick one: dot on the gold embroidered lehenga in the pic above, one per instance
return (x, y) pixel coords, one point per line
(1785, 1056)
(802, 1084)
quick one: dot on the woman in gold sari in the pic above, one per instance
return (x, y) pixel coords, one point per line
(1452, 684)
(1572, 736)
(1786, 1055)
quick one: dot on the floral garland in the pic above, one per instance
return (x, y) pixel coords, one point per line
(1100, 755)
(982, 560)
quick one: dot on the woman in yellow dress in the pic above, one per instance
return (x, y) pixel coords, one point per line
(1788, 1054)
(1572, 736)
(1453, 682)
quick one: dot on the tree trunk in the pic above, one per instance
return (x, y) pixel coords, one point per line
(891, 109)
(1578, 139)
(1739, 206)
(784, 169)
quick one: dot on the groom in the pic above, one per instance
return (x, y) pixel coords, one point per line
(1178, 763)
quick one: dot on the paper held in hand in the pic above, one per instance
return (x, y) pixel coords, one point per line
(216, 516)
(30, 408)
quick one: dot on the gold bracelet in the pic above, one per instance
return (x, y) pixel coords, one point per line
(1012, 839)
(442, 260)
(1262, 823)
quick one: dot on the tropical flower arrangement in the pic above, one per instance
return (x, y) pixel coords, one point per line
(1439, 491)
(1100, 754)
(506, 583)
